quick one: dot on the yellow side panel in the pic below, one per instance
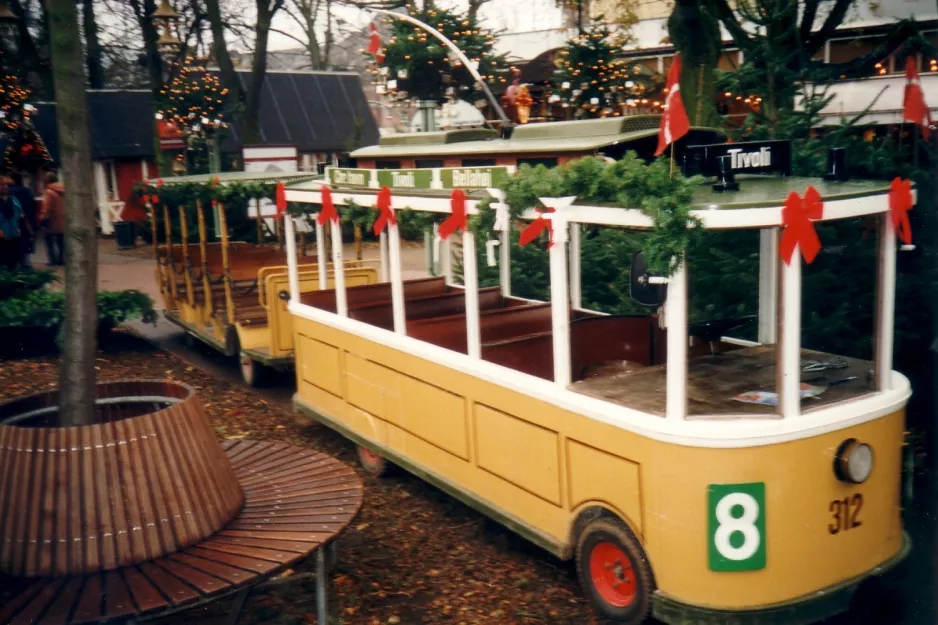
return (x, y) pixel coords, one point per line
(371, 387)
(251, 338)
(321, 365)
(327, 402)
(546, 517)
(519, 452)
(435, 415)
(595, 475)
(367, 425)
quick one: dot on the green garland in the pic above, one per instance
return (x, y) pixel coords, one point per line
(629, 182)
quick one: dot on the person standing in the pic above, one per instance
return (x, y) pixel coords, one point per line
(52, 219)
(10, 223)
(24, 196)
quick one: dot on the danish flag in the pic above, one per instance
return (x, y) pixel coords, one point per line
(674, 122)
(374, 43)
(916, 110)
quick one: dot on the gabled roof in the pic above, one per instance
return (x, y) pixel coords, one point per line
(315, 111)
(120, 124)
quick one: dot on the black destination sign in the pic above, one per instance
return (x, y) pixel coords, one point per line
(749, 157)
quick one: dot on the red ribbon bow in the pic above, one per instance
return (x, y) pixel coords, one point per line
(384, 205)
(796, 217)
(328, 208)
(159, 185)
(281, 196)
(536, 227)
(457, 220)
(900, 203)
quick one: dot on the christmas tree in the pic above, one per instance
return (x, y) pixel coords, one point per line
(417, 65)
(591, 80)
(25, 148)
(193, 99)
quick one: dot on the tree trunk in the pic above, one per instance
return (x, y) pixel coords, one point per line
(92, 46)
(76, 376)
(143, 10)
(327, 53)
(696, 36)
(229, 76)
(252, 108)
(28, 49)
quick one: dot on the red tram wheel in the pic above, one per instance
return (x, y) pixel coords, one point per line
(372, 463)
(614, 572)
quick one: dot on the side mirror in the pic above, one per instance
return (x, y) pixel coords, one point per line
(645, 289)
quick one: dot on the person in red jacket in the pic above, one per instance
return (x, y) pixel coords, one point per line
(52, 219)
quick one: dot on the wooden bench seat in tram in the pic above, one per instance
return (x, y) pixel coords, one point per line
(381, 314)
(494, 325)
(364, 294)
(598, 345)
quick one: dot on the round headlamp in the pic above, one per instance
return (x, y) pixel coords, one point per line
(853, 462)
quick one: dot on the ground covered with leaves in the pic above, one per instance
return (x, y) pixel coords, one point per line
(414, 555)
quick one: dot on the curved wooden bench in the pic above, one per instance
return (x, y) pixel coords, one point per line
(297, 501)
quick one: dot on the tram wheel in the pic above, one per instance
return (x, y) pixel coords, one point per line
(614, 571)
(253, 373)
(372, 463)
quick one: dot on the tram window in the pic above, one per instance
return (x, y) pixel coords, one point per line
(428, 163)
(534, 162)
(478, 162)
(387, 164)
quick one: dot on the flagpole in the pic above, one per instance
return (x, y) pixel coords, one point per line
(672, 161)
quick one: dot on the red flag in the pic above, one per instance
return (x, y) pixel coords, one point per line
(281, 199)
(535, 228)
(796, 217)
(915, 109)
(900, 203)
(328, 208)
(374, 43)
(457, 220)
(674, 122)
(384, 205)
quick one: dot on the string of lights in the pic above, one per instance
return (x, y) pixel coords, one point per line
(193, 99)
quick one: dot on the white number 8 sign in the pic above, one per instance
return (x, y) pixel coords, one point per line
(737, 526)
(746, 525)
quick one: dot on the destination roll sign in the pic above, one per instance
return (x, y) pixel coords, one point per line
(750, 157)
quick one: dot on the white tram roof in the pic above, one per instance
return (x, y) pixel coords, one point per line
(757, 203)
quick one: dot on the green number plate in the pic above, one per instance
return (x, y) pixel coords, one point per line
(736, 526)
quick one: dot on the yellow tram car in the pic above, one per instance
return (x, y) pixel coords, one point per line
(227, 294)
(675, 500)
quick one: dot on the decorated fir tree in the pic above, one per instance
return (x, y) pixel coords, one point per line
(593, 82)
(193, 99)
(25, 149)
(412, 63)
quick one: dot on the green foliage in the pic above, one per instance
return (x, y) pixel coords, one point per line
(234, 196)
(116, 307)
(421, 64)
(629, 182)
(33, 309)
(17, 281)
(592, 80)
(42, 308)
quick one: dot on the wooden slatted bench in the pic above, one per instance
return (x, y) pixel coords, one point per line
(297, 501)
(143, 513)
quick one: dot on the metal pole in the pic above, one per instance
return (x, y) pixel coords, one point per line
(321, 610)
(462, 57)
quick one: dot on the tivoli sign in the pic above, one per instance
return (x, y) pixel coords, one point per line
(437, 178)
(750, 157)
